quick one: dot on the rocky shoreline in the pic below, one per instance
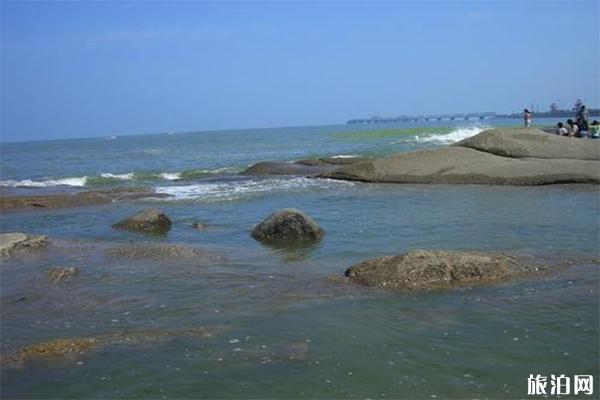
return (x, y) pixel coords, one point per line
(503, 156)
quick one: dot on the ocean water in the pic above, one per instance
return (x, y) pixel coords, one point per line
(284, 326)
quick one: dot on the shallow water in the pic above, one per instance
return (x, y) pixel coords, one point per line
(284, 329)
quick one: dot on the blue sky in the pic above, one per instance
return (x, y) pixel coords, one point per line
(80, 69)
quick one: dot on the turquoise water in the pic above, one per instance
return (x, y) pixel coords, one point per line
(284, 327)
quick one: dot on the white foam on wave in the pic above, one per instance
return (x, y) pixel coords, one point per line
(447, 138)
(345, 156)
(170, 176)
(455, 136)
(234, 190)
(79, 182)
(127, 176)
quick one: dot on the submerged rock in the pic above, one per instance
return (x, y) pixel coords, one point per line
(73, 349)
(17, 241)
(150, 220)
(160, 252)
(428, 269)
(57, 274)
(79, 199)
(52, 350)
(287, 225)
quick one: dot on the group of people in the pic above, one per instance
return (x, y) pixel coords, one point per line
(580, 127)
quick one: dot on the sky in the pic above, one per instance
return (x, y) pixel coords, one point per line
(83, 68)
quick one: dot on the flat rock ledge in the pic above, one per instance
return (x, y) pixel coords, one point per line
(463, 165)
(287, 225)
(429, 270)
(79, 199)
(307, 167)
(150, 220)
(11, 243)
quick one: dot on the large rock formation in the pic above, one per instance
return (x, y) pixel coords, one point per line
(287, 225)
(425, 270)
(532, 143)
(465, 165)
(150, 220)
(11, 243)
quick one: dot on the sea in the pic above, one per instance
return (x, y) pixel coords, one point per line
(285, 326)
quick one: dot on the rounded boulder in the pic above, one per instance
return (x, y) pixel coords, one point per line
(287, 225)
(150, 220)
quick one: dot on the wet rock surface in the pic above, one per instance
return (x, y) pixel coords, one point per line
(150, 220)
(12, 243)
(285, 168)
(79, 199)
(59, 274)
(428, 269)
(287, 225)
(161, 252)
(76, 348)
(306, 167)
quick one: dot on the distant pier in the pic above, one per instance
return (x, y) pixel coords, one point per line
(559, 114)
(417, 118)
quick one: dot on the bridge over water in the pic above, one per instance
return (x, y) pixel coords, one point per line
(416, 118)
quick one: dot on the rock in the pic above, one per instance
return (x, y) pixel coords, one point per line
(73, 349)
(150, 220)
(160, 252)
(332, 161)
(15, 242)
(463, 165)
(287, 225)
(426, 270)
(309, 167)
(532, 143)
(285, 168)
(79, 199)
(57, 274)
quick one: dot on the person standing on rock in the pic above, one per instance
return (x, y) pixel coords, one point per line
(584, 116)
(527, 117)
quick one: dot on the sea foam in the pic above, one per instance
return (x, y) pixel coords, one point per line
(238, 189)
(449, 138)
(78, 182)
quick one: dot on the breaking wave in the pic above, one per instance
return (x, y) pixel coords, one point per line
(238, 189)
(447, 138)
(47, 183)
(107, 178)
